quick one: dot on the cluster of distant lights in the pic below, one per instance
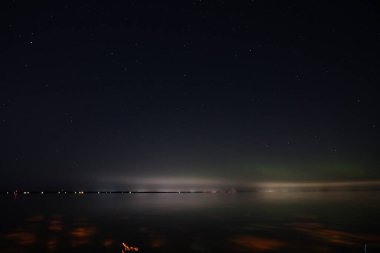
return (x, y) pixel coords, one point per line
(17, 193)
(66, 192)
(99, 192)
(208, 191)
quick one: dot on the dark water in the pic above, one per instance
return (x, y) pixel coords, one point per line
(243, 222)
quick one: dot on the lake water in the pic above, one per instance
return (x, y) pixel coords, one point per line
(242, 222)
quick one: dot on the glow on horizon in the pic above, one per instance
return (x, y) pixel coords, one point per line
(316, 184)
(207, 184)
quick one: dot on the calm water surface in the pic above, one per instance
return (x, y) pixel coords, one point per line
(243, 222)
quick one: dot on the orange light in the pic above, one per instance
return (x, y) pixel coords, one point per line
(128, 248)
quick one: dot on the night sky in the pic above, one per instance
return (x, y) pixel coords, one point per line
(107, 94)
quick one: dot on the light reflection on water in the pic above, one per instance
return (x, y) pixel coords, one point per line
(243, 222)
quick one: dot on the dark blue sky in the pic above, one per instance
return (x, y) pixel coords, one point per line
(239, 91)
